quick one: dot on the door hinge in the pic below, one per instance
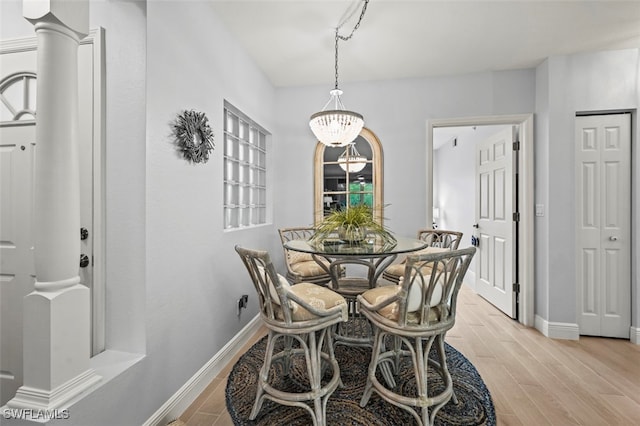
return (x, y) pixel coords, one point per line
(516, 216)
(516, 146)
(516, 287)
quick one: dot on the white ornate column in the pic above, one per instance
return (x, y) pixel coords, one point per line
(56, 326)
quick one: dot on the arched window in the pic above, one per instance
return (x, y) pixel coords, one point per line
(18, 97)
(349, 175)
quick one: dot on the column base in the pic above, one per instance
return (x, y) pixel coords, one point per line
(41, 399)
(56, 348)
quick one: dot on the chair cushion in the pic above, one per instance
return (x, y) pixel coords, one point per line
(317, 296)
(308, 269)
(297, 257)
(272, 289)
(429, 250)
(397, 269)
(415, 293)
(380, 294)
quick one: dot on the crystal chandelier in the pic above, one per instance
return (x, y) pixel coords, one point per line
(350, 160)
(337, 126)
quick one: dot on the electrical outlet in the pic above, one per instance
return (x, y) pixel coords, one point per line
(242, 302)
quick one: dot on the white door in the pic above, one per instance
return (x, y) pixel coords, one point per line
(495, 226)
(17, 159)
(603, 224)
(17, 274)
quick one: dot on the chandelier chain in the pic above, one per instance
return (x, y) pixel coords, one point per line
(345, 38)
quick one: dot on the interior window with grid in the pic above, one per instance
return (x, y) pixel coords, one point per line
(245, 171)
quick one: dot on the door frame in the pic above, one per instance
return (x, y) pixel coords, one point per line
(525, 199)
(95, 38)
(579, 321)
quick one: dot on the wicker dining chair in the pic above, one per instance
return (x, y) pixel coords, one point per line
(304, 313)
(437, 239)
(408, 319)
(301, 267)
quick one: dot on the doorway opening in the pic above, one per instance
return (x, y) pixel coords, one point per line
(522, 236)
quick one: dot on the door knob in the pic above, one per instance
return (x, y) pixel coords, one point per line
(84, 233)
(84, 260)
(612, 238)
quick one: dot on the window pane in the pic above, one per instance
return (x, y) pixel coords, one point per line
(244, 171)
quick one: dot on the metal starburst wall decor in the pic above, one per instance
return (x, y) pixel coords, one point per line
(193, 136)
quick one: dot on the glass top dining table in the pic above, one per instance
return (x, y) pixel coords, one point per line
(379, 252)
(373, 254)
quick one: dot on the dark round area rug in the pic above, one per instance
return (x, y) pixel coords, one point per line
(475, 406)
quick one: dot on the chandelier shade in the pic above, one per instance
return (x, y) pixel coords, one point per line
(351, 161)
(338, 127)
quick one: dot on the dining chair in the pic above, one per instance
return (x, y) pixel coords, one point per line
(357, 330)
(301, 267)
(437, 239)
(304, 313)
(409, 318)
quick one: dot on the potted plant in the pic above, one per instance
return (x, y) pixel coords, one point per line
(352, 225)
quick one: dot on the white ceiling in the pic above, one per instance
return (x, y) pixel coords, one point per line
(292, 41)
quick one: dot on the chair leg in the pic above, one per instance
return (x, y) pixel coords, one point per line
(312, 349)
(315, 376)
(446, 377)
(454, 398)
(264, 375)
(420, 356)
(445, 368)
(311, 355)
(331, 351)
(375, 354)
(286, 362)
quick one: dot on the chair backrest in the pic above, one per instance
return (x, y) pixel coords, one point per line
(270, 286)
(429, 288)
(440, 238)
(297, 233)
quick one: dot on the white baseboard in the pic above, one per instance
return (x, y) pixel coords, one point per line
(182, 399)
(557, 330)
(635, 335)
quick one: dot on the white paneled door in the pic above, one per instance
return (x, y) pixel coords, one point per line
(17, 157)
(603, 224)
(17, 274)
(495, 226)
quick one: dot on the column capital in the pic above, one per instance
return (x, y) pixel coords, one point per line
(72, 14)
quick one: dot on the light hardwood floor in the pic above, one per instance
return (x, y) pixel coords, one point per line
(533, 380)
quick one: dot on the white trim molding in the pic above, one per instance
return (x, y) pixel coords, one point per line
(180, 401)
(525, 204)
(557, 330)
(634, 333)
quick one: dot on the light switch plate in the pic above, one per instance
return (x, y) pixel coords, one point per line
(539, 210)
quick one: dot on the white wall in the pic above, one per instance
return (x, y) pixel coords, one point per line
(173, 277)
(397, 111)
(541, 166)
(589, 82)
(194, 275)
